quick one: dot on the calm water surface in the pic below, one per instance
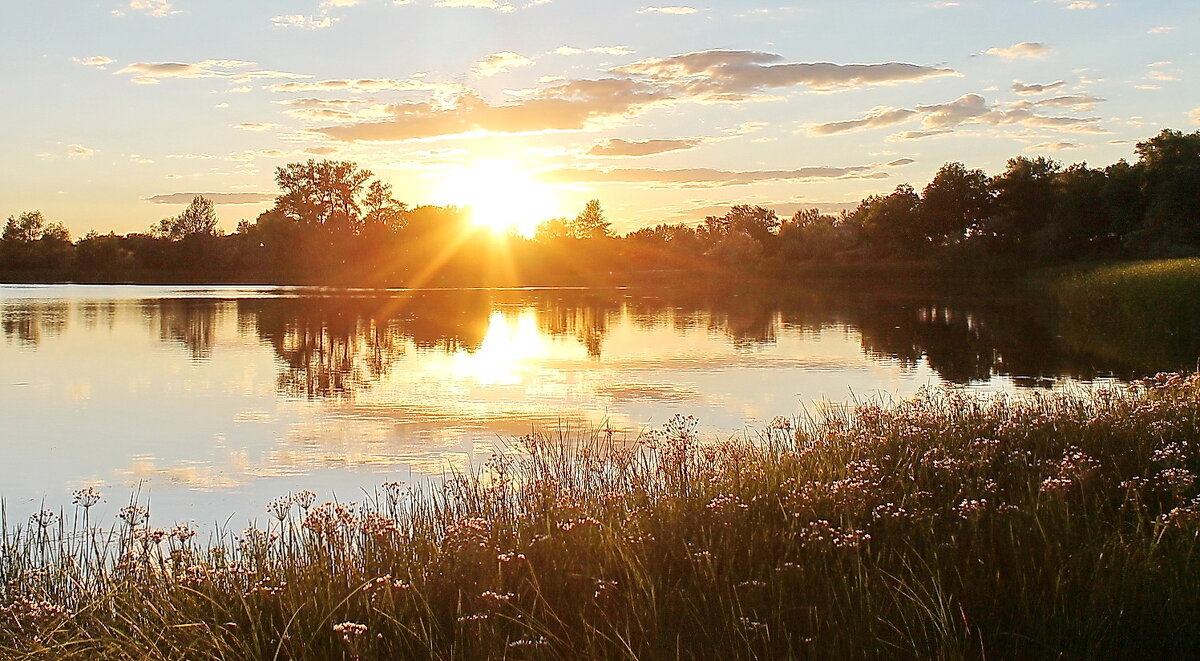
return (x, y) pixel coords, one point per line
(211, 401)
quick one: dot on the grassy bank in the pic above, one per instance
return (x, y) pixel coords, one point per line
(1112, 310)
(945, 527)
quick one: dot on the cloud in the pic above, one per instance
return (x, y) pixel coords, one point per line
(1052, 146)
(675, 10)
(1025, 49)
(572, 105)
(617, 147)
(877, 118)
(732, 74)
(1078, 4)
(702, 77)
(303, 22)
(478, 4)
(79, 152)
(155, 8)
(256, 126)
(1194, 115)
(151, 73)
(338, 3)
(500, 63)
(217, 198)
(942, 118)
(1074, 102)
(973, 109)
(603, 50)
(366, 85)
(98, 61)
(705, 177)
(1162, 29)
(1033, 88)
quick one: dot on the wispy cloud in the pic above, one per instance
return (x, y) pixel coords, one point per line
(500, 63)
(217, 198)
(616, 147)
(675, 10)
(150, 73)
(1034, 88)
(1025, 49)
(98, 61)
(303, 22)
(79, 152)
(155, 8)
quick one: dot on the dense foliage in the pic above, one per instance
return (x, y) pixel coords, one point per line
(948, 526)
(335, 223)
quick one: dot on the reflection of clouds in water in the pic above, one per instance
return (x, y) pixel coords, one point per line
(197, 475)
(654, 392)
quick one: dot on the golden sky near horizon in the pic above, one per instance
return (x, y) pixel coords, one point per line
(666, 113)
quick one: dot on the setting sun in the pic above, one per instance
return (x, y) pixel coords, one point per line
(501, 195)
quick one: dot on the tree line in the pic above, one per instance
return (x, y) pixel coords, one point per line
(335, 223)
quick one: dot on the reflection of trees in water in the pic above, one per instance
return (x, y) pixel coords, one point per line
(337, 345)
(191, 322)
(29, 323)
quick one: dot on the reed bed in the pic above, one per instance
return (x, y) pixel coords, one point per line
(945, 526)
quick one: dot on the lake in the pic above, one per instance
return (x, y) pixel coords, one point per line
(210, 401)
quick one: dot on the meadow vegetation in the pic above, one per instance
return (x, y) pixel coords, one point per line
(946, 526)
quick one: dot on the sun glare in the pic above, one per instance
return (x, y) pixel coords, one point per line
(501, 195)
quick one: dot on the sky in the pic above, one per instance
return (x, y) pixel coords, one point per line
(118, 112)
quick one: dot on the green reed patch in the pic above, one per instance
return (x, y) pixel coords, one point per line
(946, 526)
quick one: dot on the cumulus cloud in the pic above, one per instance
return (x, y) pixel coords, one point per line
(1034, 88)
(570, 106)
(877, 118)
(675, 10)
(702, 77)
(500, 63)
(1025, 49)
(733, 74)
(616, 147)
(217, 198)
(98, 61)
(151, 73)
(1194, 115)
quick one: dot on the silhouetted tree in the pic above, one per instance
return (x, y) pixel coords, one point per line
(590, 223)
(198, 219)
(956, 202)
(1024, 201)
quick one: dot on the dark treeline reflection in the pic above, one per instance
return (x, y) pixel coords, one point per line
(339, 343)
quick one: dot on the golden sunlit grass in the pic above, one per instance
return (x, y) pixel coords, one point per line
(501, 195)
(948, 526)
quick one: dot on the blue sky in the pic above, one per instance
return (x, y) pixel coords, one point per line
(118, 110)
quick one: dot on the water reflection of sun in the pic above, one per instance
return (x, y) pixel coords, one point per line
(507, 350)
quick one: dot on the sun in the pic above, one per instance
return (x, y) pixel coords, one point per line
(502, 196)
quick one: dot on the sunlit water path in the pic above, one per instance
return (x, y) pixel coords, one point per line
(212, 401)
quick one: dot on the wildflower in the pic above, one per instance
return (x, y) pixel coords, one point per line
(350, 631)
(182, 533)
(133, 515)
(86, 497)
(1175, 479)
(149, 536)
(971, 508)
(44, 518)
(752, 625)
(280, 508)
(304, 499)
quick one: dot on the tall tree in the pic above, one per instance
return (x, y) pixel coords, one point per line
(590, 223)
(955, 202)
(198, 219)
(323, 193)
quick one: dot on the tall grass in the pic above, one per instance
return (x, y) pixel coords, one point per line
(1138, 314)
(946, 526)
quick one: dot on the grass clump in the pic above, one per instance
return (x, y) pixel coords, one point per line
(947, 526)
